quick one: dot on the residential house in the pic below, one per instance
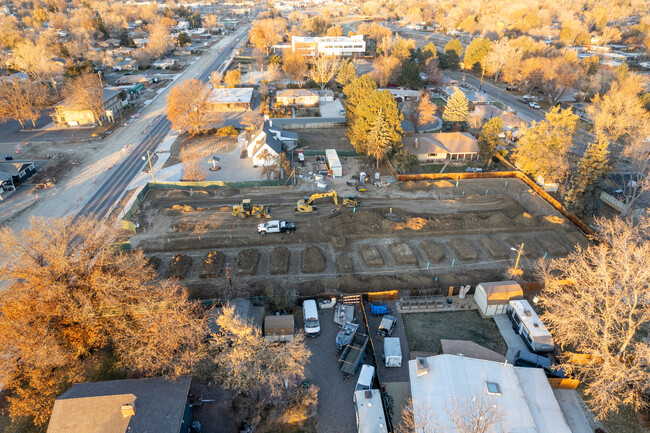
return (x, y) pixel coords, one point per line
(301, 97)
(166, 63)
(122, 53)
(522, 395)
(127, 64)
(450, 146)
(70, 113)
(402, 95)
(238, 98)
(16, 172)
(129, 80)
(325, 95)
(329, 45)
(510, 119)
(272, 140)
(124, 406)
(580, 110)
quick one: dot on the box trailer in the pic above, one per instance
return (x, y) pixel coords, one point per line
(334, 163)
(392, 352)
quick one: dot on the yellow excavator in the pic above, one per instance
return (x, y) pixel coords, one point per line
(246, 208)
(304, 205)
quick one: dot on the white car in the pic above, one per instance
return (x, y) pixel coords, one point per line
(534, 105)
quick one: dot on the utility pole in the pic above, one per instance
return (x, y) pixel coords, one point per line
(150, 168)
(519, 252)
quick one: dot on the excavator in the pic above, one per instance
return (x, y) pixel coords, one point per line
(304, 205)
(246, 208)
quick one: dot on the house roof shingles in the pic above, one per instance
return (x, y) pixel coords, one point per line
(96, 407)
(296, 93)
(441, 142)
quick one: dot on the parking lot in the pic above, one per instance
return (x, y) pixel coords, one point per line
(336, 411)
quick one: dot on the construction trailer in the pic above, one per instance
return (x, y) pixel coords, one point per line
(279, 328)
(334, 163)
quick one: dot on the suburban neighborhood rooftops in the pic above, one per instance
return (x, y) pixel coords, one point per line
(97, 407)
(231, 95)
(295, 93)
(522, 394)
(441, 142)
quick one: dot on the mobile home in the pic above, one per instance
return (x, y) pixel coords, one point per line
(526, 323)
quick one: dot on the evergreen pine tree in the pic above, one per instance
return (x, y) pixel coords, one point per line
(457, 108)
(347, 73)
(488, 139)
(582, 198)
(379, 138)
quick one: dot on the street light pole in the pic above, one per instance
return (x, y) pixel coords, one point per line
(151, 168)
(521, 250)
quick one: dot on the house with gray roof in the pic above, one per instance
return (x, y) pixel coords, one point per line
(272, 140)
(449, 146)
(119, 406)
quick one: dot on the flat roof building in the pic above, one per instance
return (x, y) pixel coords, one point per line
(329, 45)
(239, 98)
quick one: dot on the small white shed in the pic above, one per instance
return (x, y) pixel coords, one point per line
(279, 327)
(492, 298)
(334, 163)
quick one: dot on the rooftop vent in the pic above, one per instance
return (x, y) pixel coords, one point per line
(368, 394)
(528, 313)
(421, 366)
(128, 409)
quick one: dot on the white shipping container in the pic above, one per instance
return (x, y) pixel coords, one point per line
(334, 163)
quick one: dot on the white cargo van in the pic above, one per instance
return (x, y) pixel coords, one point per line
(310, 315)
(392, 352)
(365, 377)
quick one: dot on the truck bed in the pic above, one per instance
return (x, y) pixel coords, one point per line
(353, 354)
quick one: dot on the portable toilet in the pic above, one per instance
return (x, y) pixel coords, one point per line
(492, 298)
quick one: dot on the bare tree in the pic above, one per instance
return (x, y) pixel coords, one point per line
(86, 92)
(247, 362)
(418, 418)
(216, 78)
(323, 69)
(35, 59)
(597, 304)
(79, 302)
(232, 78)
(159, 40)
(385, 69)
(474, 415)
(267, 32)
(187, 106)
(419, 112)
(193, 170)
(496, 60)
(294, 65)
(22, 100)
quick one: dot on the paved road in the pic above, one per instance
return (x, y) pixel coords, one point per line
(122, 174)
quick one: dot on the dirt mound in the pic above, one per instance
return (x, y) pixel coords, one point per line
(494, 247)
(312, 260)
(279, 260)
(371, 256)
(227, 192)
(403, 254)
(358, 223)
(179, 266)
(247, 261)
(524, 219)
(550, 244)
(554, 219)
(433, 251)
(183, 208)
(344, 263)
(497, 220)
(464, 249)
(212, 264)
(445, 223)
(416, 224)
(176, 193)
(154, 262)
(410, 186)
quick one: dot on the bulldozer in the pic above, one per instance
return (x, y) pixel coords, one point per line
(246, 208)
(305, 205)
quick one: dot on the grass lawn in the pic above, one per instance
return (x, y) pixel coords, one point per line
(425, 330)
(625, 421)
(439, 102)
(455, 169)
(431, 168)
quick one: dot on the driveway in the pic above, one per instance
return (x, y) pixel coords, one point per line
(331, 109)
(512, 339)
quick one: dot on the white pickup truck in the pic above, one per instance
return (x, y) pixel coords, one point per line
(276, 226)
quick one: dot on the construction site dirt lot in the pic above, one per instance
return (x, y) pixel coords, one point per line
(409, 235)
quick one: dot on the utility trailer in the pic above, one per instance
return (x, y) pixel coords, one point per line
(353, 354)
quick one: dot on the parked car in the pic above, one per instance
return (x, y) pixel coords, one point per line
(523, 358)
(534, 105)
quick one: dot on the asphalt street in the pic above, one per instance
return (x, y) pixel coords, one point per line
(122, 174)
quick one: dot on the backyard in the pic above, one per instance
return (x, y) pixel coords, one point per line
(425, 330)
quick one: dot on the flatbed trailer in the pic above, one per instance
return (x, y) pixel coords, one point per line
(353, 354)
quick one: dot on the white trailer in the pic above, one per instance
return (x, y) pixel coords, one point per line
(334, 163)
(526, 323)
(369, 411)
(392, 352)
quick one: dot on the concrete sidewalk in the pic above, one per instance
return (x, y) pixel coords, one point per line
(512, 339)
(572, 410)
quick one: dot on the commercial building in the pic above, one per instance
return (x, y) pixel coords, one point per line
(239, 98)
(329, 45)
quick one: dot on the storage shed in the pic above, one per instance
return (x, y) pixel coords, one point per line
(492, 298)
(278, 328)
(334, 163)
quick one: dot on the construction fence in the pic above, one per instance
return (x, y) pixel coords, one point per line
(341, 153)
